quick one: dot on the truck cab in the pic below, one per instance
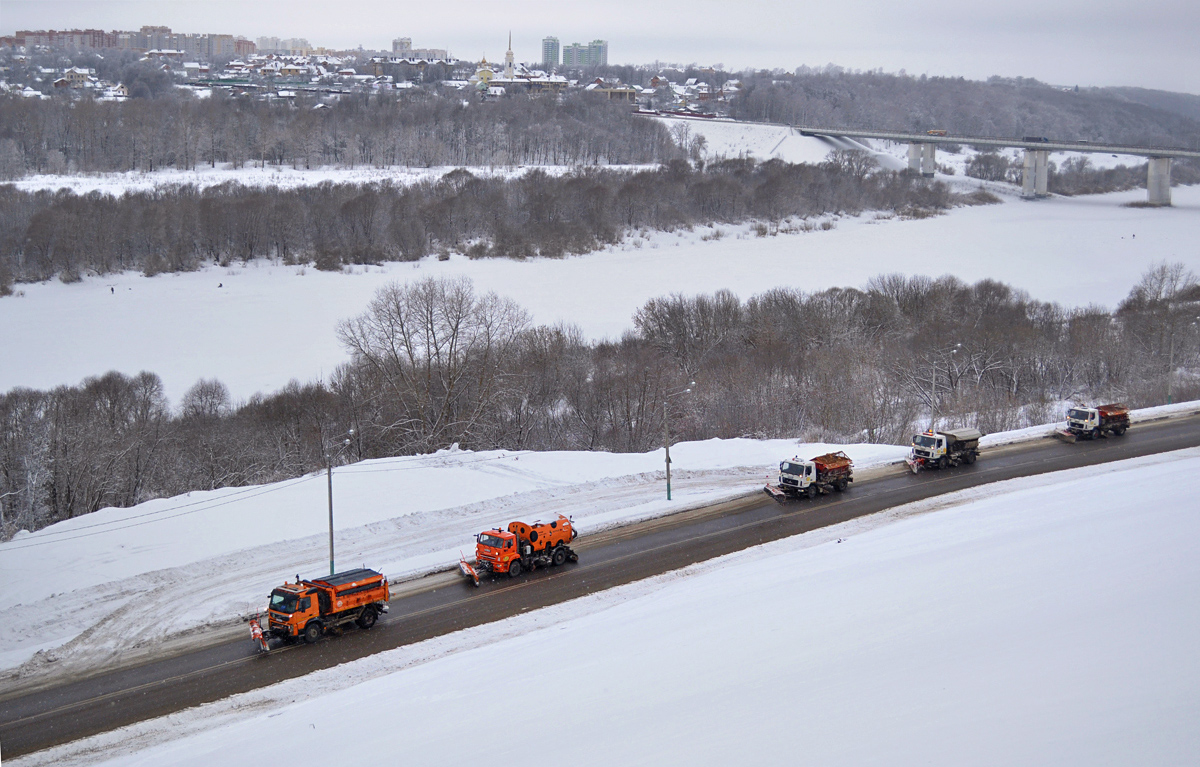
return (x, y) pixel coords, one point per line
(797, 473)
(1083, 419)
(292, 607)
(929, 446)
(497, 548)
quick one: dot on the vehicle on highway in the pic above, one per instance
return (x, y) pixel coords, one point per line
(823, 474)
(1038, 139)
(1095, 422)
(307, 609)
(936, 132)
(521, 547)
(942, 449)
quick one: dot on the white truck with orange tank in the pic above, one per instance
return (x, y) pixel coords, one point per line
(308, 608)
(521, 547)
(1095, 422)
(823, 474)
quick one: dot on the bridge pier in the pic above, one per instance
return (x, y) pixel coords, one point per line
(1034, 173)
(922, 158)
(1158, 180)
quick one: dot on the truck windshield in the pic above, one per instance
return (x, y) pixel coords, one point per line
(1077, 414)
(924, 440)
(791, 468)
(282, 602)
(495, 541)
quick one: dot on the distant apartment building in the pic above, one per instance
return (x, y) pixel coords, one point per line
(402, 48)
(290, 45)
(593, 54)
(550, 51)
(144, 40)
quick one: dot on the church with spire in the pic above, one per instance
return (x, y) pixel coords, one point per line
(493, 82)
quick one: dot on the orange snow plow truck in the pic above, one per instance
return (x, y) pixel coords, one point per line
(521, 547)
(307, 609)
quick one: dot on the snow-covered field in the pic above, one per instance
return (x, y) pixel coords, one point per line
(202, 177)
(1009, 624)
(86, 590)
(269, 323)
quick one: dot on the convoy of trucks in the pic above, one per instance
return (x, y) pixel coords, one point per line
(823, 474)
(941, 449)
(1095, 422)
(307, 609)
(521, 547)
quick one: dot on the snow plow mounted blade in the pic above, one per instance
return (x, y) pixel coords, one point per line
(1066, 435)
(777, 493)
(914, 463)
(468, 572)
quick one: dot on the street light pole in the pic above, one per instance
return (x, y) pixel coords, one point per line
(667, 431)
(329, 479)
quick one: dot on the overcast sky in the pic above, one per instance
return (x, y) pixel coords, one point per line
(1152, 44)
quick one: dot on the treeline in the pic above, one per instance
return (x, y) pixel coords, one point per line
(44, 234)
(414, 128)
(996, 107)
(435, 363)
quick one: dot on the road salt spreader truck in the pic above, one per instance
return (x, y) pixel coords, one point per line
(1095, 422)
(942, 449)
(521, 547)
(823, 474)
(308, 609)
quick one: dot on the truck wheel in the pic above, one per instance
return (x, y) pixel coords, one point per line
(1120, 430)
(312, 632)
(560, 556)
(840, 486)
(367, 619)
(970, 458)
(811, 492)
(514, 568)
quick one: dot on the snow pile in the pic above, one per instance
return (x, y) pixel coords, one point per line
(269, 323)
(1016, 625)
(86, 589)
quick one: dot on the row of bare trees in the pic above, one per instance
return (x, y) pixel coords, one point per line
(44, 234)
(435, 363)
(406, 129)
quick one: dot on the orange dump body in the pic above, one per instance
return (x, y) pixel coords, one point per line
(1113, 411)
(833, 464)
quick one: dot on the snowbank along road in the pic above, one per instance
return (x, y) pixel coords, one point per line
(441, 604)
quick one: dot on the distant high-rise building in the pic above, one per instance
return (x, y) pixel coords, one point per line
(550, 50)
(593, 54)
(402, 46)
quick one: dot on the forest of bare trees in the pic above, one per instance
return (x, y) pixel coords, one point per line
(436, 363)
(47, 234)
(408, 129)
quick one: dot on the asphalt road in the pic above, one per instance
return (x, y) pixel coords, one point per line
(48, 717)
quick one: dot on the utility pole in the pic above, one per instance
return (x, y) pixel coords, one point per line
(667, 431)
(329, 456)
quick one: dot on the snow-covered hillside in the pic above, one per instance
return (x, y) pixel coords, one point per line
(256, 327)
(1010, 624)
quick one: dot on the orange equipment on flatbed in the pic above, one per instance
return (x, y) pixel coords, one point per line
(521, 547)
(310, 608)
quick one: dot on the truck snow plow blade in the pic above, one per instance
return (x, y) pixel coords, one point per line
(777, 493)
(914, 464)
(1066, 435)
(468, 572)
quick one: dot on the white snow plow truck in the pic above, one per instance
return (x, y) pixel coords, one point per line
(823, 474)
(1095, 422)
(941, 449)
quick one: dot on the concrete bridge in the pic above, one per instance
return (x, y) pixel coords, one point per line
(922, 148)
